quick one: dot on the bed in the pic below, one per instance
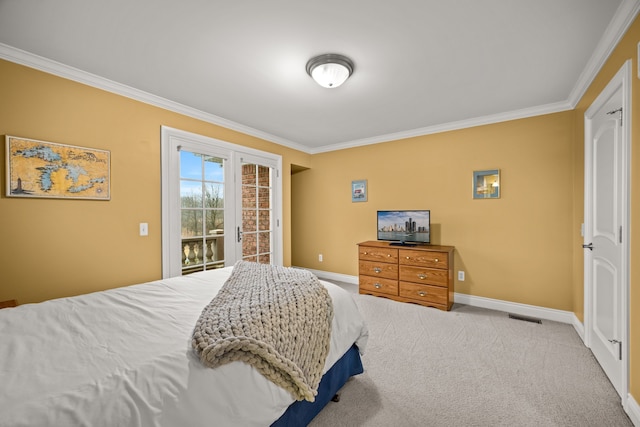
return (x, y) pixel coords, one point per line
(124, 357)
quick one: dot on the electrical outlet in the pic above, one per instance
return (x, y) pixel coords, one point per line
(320, 257)
(144, 229)
(461, 276)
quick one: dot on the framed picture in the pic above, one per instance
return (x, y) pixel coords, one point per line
(51, 170)
(359, 190)
(486, 184)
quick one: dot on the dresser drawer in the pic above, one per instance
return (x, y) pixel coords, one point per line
(428, 293)
(424, 258)
(430, 276)
(368, 253)
(377, 284)
(379, 269)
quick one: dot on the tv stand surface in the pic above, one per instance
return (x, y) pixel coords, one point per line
(405, 244)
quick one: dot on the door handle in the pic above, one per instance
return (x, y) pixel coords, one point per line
(589, 246)
(239, 234)
(614, 341)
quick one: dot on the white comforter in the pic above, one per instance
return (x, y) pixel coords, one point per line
(123, 358)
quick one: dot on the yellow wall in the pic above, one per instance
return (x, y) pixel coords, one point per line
(515, 248)
(52, 248)
(626, 49)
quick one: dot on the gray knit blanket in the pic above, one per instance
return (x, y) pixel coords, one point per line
(276, 319)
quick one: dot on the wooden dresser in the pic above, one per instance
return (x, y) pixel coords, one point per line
(8, 304)
(420, 274)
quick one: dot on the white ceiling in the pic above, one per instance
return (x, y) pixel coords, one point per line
(421, 66)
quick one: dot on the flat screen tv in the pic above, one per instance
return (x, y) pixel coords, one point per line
(405, 227)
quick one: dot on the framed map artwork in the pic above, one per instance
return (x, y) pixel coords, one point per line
(46, 169)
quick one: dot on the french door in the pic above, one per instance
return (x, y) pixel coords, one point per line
(220, 203)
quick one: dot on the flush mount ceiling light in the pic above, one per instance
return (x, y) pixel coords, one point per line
(330, 70)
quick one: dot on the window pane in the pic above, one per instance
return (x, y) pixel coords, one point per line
(248, 197)
(264, 176)
(264, 198)
(215, 222)
(214, 250)
(213, 169)
(190, 194)
(213, 195)
(264, 259)
(249, 244)
(190, 165)
(248, 174)
(192, 254)
(264, 240)
(191, 223)
(249, 222)
(264, 219)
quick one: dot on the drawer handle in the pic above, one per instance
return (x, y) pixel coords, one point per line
(365, 252)
(408, 257)
(422, 276)
(436, 260)
(377, 285)
(422, 293)
(388, 255)
(377, 270)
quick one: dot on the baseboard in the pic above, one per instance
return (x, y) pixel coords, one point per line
(492, 304)
(578, 326)
(633, 410)
(516, 308)
(334, 276)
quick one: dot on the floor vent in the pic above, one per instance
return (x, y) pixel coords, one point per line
(525, 318)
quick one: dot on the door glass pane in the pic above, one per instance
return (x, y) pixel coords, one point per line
(202, 211)
(264, 176)
(257, 203)
(249, 220)
(190, 165)
(214, 195)
(249, 244)
(264, 219)
(191, 222)
(249, 198)
(264, 259)
(215, 222)
(213, 169)
(190, 194)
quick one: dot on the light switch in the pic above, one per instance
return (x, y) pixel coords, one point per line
(144, 229)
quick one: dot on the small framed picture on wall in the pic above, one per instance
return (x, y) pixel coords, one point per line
(359, 190)
(486, 184)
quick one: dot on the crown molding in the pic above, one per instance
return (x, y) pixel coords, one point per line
(623, 18)
(446, 127)
(40, 63)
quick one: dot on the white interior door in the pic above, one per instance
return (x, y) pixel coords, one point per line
(606, 219)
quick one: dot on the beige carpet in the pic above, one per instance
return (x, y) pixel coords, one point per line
(471, 367)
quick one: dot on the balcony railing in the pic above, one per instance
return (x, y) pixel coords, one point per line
(202, 253)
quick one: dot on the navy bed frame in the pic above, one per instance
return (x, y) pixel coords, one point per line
(301, 413)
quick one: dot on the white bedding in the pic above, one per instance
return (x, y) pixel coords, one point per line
(123, 358)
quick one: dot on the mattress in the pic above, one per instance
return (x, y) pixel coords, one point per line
(124, 357)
